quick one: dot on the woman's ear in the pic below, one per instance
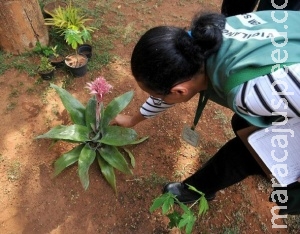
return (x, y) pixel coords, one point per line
(180, 89)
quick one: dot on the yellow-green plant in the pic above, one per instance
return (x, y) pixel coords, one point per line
(45, 65)
(71, 24)
(54, 51)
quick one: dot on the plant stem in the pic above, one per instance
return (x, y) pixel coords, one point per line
(98, 113)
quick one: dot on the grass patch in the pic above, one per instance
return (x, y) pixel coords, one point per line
(13, 172)
(99, 60)
(14, 93)
(232, 230)
(153, 180)
(3, 61)
(23, 63)
(10, 106)
(293, 223)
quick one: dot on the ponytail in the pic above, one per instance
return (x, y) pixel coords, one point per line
(207, 32)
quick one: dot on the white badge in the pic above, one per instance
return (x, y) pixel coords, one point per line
(190, 136)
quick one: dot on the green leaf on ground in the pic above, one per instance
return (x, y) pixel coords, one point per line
(72, 105)
(86, 158)
(107, 171)
(113, 157)
(67, 159)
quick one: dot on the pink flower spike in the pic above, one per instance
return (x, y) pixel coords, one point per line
(99, 88)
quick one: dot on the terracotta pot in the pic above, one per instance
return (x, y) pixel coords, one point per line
(51, 6)
(77, 64)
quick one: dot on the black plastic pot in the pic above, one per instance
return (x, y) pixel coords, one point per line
(57, 62)
(76, 64)
(46, 75)
(85, 49)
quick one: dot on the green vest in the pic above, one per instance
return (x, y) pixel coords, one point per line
(253, 44)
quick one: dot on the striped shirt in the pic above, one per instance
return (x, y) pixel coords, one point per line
(269, 95)
(272, 94)
(154, 106)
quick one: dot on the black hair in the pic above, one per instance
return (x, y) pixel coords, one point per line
(166, 55)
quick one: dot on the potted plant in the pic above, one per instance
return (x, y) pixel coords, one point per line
(56, 59)
(96, 139)
(72, 25)
(46, 69)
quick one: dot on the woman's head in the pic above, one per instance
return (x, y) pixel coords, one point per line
(165, 56)
(159, 59)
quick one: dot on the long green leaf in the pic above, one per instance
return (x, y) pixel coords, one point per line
(184, 207)
(118, 136)
(115, 107)
(130, 155)
(175, 218)
(112, 156)
(74, 133)
(108, 172)
(194, 189)
(86, 158)
(67, 159)
(139, 141)
(158, 202)
(72, 105)
(90, 113)
(161, 200)
(167, 206)
(203, 206)
(188, 220)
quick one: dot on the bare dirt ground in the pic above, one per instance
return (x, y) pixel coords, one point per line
(32, 201)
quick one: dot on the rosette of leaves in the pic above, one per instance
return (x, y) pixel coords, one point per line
(101, 143)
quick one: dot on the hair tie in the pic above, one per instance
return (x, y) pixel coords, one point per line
(190, 33)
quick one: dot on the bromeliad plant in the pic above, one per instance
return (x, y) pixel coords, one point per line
(96, 138)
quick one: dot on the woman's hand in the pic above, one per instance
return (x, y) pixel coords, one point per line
(123, 121)
(127, 120)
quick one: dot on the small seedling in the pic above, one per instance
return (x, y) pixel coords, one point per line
(187, 218)
(45, 65)
(43, 50)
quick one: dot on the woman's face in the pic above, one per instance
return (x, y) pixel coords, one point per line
(181, 92)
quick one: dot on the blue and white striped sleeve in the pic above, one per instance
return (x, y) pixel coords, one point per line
(272, 94)
(154, 106)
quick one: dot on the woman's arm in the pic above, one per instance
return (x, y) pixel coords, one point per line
(128, 120)
(149, 109)
(276, 93)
